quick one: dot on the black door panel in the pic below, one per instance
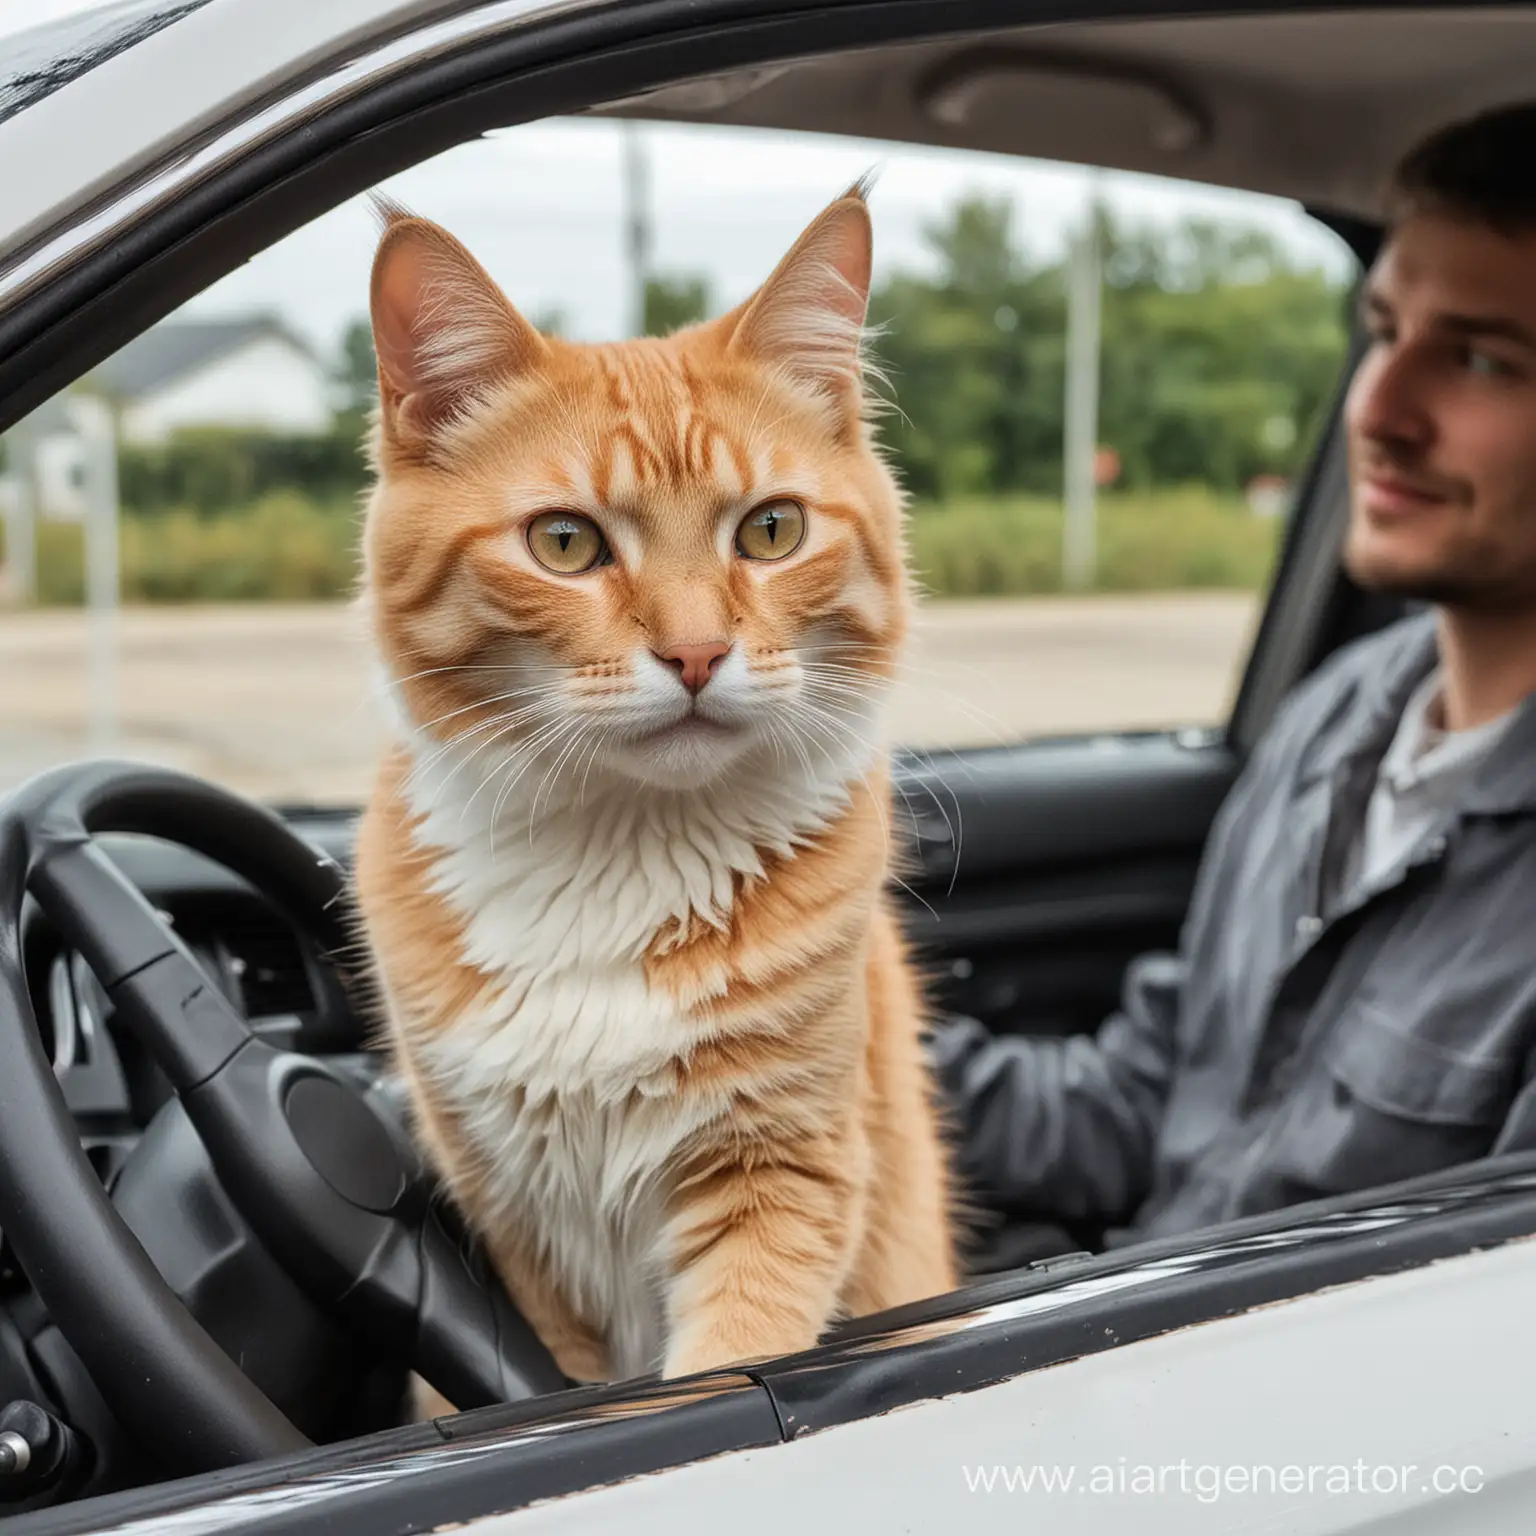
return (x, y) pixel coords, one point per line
(1041, 870)
(1037, 871)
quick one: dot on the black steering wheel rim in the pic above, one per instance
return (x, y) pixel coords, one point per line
(132, 1332)
(334, 1190)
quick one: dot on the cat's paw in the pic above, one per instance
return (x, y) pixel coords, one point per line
(727, 1349)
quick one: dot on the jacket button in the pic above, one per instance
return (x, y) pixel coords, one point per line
(1308, 927)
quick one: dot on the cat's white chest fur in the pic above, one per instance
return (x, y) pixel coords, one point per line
(563, 1078)
(580, 1171)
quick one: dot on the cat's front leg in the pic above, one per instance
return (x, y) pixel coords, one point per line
(579, 1349)
(760, 1252)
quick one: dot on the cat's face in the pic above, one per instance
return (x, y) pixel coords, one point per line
(653, 560)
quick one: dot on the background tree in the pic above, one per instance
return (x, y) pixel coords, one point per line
(673, 301)
(1218, 356)
(357, 373)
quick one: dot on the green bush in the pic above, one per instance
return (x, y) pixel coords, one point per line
(60, 564)
(209, 469)
(1161, 541)
(283, 548)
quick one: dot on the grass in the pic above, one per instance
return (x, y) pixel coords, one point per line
(287, 547)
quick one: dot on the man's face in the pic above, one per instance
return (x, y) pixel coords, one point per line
(1441, 419)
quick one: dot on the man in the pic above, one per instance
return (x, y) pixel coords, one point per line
(1354, 1000)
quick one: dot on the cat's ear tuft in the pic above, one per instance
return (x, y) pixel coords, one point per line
(443, 332)
(808, 318)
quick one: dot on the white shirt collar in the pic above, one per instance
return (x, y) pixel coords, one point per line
(1423, 749)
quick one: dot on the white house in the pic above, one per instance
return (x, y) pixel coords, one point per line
(245, 373)
(250, 372)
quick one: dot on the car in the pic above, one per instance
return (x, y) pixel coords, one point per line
(208, 1314)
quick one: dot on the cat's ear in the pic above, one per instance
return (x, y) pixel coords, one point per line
(808, 318)
(442, 330)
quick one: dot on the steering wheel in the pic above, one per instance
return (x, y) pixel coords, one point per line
(332, 1189)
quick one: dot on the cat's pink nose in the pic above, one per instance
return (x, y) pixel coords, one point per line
(695, 664)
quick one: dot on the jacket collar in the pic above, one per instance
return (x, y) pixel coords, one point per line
(1358, 732)
(1382, 674)
(1506, 782)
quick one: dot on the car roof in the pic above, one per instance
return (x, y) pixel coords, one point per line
(1298, 103)
(1313, 105)
(175, 84)
(146, 152)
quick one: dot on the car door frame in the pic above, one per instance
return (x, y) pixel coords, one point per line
(1000, 1353)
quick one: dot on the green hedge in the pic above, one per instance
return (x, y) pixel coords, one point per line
(1158, 542)
(208, 469)
(282, 548)
(286, 547)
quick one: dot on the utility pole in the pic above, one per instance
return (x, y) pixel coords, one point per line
(637, 221)
(21, 526)
(94, 420)
(1080, 438)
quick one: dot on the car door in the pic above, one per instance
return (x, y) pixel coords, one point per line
(1046, 867)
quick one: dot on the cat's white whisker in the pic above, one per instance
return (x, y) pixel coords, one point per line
(546, 741)
(522, 751)
(585, 728)
(500, 725)
(496, 698)
(497, 767)
(599, 740)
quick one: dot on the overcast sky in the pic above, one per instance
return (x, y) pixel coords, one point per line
(542, 206)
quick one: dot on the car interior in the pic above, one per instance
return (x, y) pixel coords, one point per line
(1044, 865)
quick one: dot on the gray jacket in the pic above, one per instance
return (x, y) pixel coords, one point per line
(1304, 1042)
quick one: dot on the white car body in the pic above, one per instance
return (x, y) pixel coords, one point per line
(1337, 1412)
(180, 88)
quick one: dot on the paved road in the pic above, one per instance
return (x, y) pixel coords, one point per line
(277, 700)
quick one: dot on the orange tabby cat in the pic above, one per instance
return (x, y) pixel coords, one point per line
(624, 870)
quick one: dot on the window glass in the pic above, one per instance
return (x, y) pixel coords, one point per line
(237, 652)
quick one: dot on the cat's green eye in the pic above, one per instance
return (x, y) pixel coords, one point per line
(566, 542)
(771, 531)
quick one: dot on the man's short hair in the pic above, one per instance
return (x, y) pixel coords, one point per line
(1479, 170)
